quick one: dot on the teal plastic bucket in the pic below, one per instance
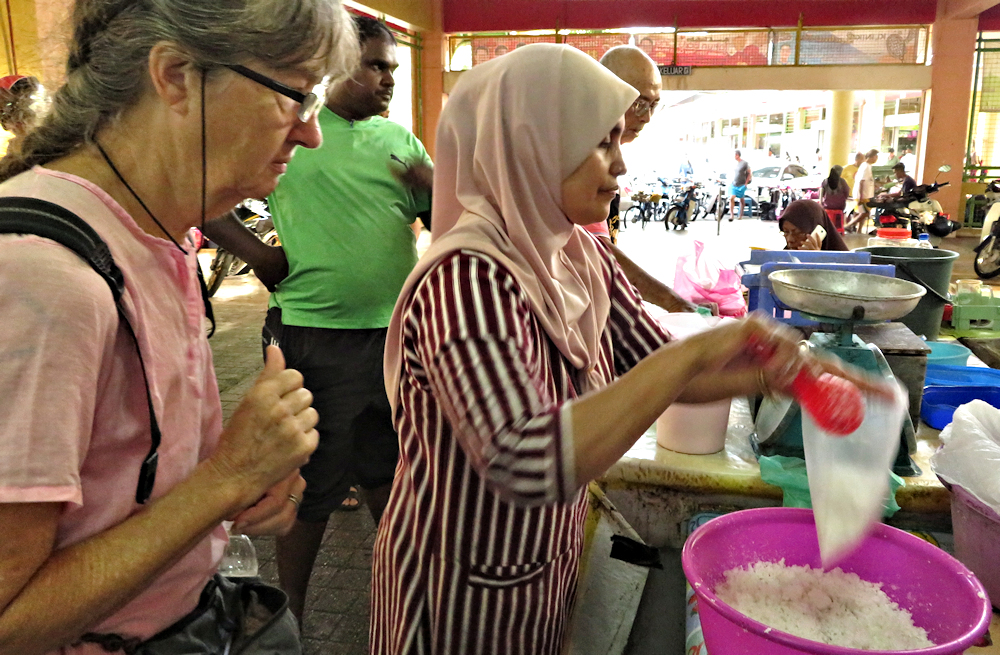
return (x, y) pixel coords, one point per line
(931, 269)
(948, 353)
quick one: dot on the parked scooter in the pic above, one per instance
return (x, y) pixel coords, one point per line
(916, 210)
(683, 208)
(256, 218)
(987, 260)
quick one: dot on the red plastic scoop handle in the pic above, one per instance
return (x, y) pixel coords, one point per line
(835, 404)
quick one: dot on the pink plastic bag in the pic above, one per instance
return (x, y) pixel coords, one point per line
(704, 279)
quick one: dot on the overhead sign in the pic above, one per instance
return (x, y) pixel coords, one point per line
(675, 70)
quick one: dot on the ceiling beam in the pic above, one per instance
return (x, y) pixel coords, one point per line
(967, 8)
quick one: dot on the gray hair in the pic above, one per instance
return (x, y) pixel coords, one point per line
(106, 72)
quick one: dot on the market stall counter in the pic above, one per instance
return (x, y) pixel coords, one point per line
(658, 490)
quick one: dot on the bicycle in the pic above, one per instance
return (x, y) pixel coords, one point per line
(645, 208)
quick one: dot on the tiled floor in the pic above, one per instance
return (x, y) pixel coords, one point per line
(336, 619)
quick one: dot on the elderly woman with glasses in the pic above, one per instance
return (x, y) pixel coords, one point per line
(172, 110)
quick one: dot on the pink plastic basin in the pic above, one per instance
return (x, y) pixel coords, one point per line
(977, 538)
(943, 596)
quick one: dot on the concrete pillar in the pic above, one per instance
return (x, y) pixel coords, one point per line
(432, 85)
(946, 127)
(841, 127)
(871, 119)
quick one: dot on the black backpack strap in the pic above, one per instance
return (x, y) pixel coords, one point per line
(33, 216)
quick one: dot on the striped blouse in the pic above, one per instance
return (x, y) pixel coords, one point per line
(479, 547)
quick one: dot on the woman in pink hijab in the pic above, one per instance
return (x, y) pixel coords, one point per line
(521, 365)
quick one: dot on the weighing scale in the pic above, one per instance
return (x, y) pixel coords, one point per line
(842, 302)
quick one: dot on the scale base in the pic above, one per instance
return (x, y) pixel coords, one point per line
(779, 421)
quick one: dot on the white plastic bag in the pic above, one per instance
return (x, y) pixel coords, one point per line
(849, 476)
(970, 452)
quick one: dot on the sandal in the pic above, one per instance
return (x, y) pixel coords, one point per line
(351, 503)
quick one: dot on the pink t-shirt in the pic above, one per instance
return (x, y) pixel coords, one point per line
(74, 426)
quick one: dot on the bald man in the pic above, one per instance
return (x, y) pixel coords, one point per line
(635, 67)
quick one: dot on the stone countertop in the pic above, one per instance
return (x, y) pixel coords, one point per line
(734, 471)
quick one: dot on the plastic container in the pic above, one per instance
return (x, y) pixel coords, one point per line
(947, 353)
(958, 376)
(686, 428)
(938, 404)
(893, 236)
(928, 267)
(694, 429)
(968, 292)
(924, 241)
(943, 596)
(977, 538)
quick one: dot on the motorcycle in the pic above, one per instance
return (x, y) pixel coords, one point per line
(683, 208)
(256, 218)
(916, 210)
(987, 260)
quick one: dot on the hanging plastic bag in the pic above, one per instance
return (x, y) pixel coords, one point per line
(970, 452)
(701, 278)
(849, 476)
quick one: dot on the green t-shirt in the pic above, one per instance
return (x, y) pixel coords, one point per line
(344, 221)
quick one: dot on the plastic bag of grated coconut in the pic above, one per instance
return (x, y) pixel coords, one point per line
(849, 476)
(831, 607)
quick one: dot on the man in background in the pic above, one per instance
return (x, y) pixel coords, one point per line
(851, 170)
(893, 159)
(864, 189)
(738, 188)
(908, 183)
(343, 213)
(634, 66)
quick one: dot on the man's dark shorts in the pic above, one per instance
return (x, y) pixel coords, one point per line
(357, 443)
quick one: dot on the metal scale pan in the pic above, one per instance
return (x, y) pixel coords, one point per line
(844, 299)
(840, 294)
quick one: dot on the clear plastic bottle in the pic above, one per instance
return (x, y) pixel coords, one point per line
(924, 241)
(240, 559)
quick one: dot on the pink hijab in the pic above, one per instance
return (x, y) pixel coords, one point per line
(514, 128)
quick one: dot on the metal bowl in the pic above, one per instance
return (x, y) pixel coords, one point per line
(839, 294)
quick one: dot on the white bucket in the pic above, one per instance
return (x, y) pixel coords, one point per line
(692, 429)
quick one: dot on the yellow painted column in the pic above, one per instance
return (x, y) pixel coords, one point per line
(954, 47)
(39, 38)
(841, 127)
(432, 85)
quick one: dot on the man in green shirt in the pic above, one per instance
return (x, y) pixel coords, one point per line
(345, 214)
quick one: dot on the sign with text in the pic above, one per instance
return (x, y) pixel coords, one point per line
(675, 70)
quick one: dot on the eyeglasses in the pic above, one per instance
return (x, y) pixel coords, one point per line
(309, 103)
(641, 107)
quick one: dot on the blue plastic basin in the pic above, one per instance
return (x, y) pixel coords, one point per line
(939, 403)
(961, 376)
(948, 353)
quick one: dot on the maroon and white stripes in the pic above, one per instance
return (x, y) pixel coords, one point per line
(479, 547)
